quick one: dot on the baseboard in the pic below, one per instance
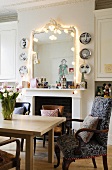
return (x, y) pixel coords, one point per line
(109, 139)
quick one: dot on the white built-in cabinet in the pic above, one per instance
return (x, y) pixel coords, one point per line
(103, 52)
(103, 45)
(8, 51)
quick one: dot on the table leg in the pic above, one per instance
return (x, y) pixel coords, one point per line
(51, 146)
(29, 153)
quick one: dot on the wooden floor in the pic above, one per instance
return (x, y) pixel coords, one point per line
(40, 159)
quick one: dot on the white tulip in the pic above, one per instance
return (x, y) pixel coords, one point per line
(3, 90)
(9, 89)
(14, 90)
(11, 93)
(4, 94)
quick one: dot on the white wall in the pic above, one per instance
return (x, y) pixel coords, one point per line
(80, 15)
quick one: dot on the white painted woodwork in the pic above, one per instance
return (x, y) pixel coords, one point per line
(9, 6)
(103, 49)
(8, 41)
(103, 44)
(30, 93)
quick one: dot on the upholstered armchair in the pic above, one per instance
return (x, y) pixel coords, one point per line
(8, 160)
(90, 140)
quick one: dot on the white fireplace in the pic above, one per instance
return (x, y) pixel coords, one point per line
(30, 94)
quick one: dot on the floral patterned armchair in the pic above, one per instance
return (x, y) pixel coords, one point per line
(88, 141)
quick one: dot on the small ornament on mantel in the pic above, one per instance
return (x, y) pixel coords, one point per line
(83, 83)
(63, 82)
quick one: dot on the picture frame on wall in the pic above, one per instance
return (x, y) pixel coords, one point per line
(71, 70)
(99, 91)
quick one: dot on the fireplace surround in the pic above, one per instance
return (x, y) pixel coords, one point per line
(70, 98)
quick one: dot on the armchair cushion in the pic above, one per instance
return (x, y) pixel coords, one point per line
(90, 123)
(53, 107)
(53, 113)
(26, 106)
(19, 110)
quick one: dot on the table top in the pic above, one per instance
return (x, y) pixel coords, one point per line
(29, 124)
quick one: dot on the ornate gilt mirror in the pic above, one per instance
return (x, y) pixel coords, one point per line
(53, 47)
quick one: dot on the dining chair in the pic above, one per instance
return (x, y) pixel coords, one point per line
(24, 109)
(90, 140)
(8, 160)
(51, 110)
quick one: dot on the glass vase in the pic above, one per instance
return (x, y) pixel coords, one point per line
(7, 109)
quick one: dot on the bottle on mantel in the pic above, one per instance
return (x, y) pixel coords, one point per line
(83, 82)
(63, 82)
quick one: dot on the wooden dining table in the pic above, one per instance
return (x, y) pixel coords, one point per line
(27, 127)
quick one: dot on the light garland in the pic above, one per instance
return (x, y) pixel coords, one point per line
(56, 28)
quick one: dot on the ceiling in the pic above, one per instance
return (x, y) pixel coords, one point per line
(12, 6)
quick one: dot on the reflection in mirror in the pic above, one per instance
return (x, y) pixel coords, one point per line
(53, 53)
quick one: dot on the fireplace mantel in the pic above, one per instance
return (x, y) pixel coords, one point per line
(52, 92)
(76, 95)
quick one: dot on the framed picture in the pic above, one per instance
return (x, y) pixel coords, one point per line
(71, 70)
(69, 84)
(99, 91)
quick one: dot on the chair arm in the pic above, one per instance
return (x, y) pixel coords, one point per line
(17, 145)
(68, 126)
(77, 120)
(90, 130)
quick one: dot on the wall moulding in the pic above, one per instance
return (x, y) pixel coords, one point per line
(25, 5)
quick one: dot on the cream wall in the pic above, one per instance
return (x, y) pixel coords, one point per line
(81, 16)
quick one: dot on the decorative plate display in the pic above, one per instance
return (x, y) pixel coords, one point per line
(85, 68)
(85, 38)
(23, 70)
(85, 53)
(24, 43)
(23, 57)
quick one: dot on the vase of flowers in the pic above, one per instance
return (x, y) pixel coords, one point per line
(8, 97)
